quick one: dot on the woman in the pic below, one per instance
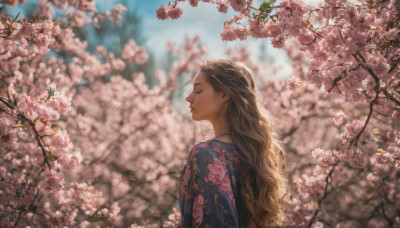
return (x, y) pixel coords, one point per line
(235, 179)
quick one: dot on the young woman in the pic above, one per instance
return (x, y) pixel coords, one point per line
(235, 179)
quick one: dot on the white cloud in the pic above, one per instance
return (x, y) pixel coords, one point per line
(206, 21)
(203, 20)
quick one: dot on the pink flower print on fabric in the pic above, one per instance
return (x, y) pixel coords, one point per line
(185, 181)
(202, 145)
(216, 172)
(221, 152)
(198, 209)
(209, 197)
(186, 176)
(226, 187)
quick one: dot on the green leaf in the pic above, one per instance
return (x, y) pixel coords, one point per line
(344, 72)
(264, 6)
(51, 93)
(51, 156)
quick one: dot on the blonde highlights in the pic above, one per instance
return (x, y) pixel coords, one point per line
(263, 183)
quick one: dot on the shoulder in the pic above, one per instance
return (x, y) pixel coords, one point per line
(224, 151)
(205, 157)
(202, 149)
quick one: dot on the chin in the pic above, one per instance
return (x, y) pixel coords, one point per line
(196, 118)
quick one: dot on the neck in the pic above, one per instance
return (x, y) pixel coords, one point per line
(220, 127)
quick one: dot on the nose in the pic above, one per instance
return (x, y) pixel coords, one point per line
(189, 99)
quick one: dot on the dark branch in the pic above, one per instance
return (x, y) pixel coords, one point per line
(22, 117)
(323, 197)
(383, 211)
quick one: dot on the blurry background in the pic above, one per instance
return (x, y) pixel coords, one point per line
(133, 134)
(141, 24)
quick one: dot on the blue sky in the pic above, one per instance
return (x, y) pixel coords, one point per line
(206, 21)
(203, 20)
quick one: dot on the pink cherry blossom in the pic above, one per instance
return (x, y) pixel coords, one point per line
(174, 218)
(59, 118)
(305, 36)
(325, 157)
(396, 115)
(238, 5)
(60, 103)
(223, 8)
(278, 42)
(133, 53)
(194, 3)
(77, 18)
(339, 118)
(294, 82)
(54, 181)
(241, 33)
(257, 28)
(175, 12)
(43, 40)
(354, 128)
(116, 12)
(228, 33)
(392, 34)
(162, 13)
(47, 112)
(45, 8)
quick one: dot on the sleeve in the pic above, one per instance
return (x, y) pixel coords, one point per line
(211, 197)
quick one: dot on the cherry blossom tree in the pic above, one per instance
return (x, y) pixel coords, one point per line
(339, 113)
(77, 151)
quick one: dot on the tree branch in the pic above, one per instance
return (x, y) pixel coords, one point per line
(324, 196)
(23, 118)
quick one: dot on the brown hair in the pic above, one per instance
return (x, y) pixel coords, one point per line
(262, 182)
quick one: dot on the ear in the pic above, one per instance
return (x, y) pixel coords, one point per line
(225, 97)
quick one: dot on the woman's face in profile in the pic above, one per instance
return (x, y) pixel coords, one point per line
(205, 103)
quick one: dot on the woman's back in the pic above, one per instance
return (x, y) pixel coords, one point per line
(208, 193)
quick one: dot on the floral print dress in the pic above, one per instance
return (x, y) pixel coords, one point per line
(208, 191)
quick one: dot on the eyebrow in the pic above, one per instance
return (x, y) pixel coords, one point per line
(196, 84)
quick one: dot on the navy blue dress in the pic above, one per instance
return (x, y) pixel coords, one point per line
(208, 191)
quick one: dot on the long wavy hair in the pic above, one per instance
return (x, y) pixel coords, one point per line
(263, 183)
